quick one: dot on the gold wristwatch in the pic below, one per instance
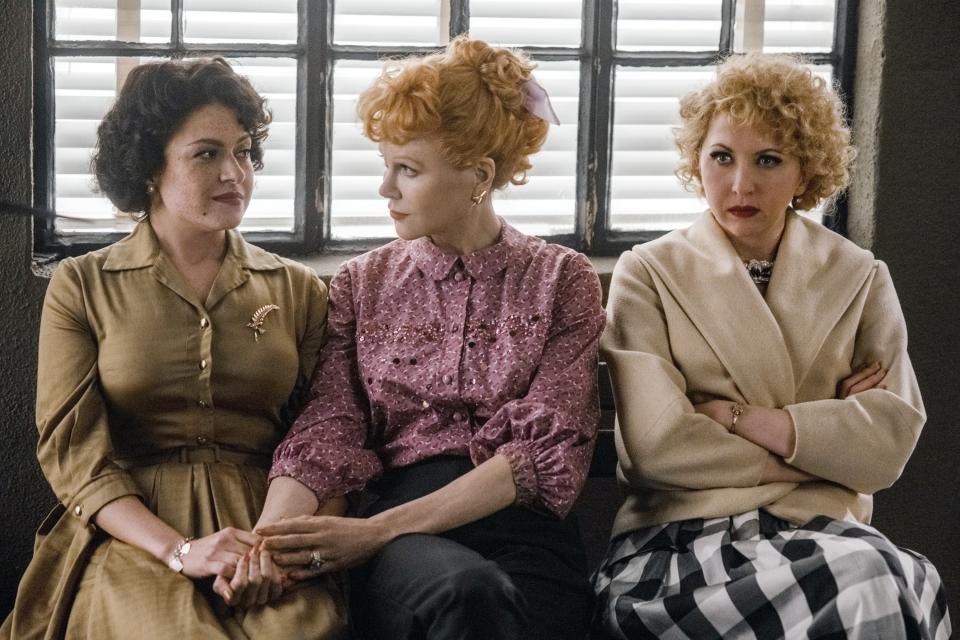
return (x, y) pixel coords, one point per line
(176, 560)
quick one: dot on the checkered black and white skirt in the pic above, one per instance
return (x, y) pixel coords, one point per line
(756, 576)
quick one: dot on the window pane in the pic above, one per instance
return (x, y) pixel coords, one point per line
(798, 25)
(653, 25)
(644, 193)
(555, 23)
(356, 211)
(123, 20)
(543, 206)
(85, 89)
(546, 204)
(411, 22)
(272, 205)
(240, 21)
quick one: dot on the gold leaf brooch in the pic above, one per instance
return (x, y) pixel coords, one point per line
(256, 321)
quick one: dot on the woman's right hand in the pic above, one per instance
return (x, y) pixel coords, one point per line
(218, 553)
(256, 580)
(869, 377)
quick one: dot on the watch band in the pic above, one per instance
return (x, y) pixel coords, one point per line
(176, 560)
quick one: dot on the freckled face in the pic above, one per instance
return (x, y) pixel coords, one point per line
(207, 177)
(427, 195)
(748, 181)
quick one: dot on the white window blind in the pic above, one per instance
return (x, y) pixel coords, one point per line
(123, 20)
(644, 193)
(798, 25)
(553, 23)
(215, 21)
(682, 25)
(389, 22)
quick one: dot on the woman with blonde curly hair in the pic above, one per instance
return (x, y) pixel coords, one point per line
(763, 391)
(458, 383)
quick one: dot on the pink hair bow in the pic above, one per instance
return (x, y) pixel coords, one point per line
(537, 102)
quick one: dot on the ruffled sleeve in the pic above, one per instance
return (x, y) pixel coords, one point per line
(548, 434)
(325, 448)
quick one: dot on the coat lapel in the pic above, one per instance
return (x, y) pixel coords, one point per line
(766, 345)
(702, 271)
(816, 277)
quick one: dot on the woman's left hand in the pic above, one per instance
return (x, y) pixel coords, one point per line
(340, 542)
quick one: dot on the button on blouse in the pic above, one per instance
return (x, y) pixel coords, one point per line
(433, 354)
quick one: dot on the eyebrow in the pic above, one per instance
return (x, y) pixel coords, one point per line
(408, 160)
(213, 141)
(757, 153)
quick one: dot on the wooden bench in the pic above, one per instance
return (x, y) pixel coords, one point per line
(604, 463)
(600, 498)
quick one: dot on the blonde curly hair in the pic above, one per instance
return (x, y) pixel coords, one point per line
(470, 96)
(780, 96)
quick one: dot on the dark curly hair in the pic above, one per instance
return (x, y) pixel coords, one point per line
(155, 99)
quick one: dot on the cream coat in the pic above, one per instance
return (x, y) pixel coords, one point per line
(686, 324)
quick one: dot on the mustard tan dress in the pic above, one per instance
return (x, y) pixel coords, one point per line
(146, 390)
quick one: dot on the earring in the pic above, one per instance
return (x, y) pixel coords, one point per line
(478, 198)
(151, 189)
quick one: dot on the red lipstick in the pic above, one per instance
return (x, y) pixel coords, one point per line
(743, 211)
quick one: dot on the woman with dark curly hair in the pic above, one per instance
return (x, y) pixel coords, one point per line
(459, 382)
(763, 391)
(169, 366)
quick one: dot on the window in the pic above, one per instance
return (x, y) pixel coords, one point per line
(614, 70)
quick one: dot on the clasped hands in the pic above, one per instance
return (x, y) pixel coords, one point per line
(254, 568)
(245, 573)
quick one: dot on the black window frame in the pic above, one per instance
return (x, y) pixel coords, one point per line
(316, 54)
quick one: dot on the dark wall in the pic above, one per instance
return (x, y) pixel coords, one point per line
(904, 208)
(916, 230)
(24, 496)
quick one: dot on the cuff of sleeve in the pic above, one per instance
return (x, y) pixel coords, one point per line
(799, 428)
(524, 471)
(91, 498)
(796, 437)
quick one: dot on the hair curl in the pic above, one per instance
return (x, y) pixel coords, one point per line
(779, 95)
(155, 99)
(470, 96)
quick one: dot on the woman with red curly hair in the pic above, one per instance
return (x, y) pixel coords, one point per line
(763, 391)
(458, 383)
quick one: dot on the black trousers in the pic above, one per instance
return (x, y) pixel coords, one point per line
(514, 574)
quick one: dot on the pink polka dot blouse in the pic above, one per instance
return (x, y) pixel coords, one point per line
(433, 354)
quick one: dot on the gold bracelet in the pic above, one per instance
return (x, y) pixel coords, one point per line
(736, 410)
